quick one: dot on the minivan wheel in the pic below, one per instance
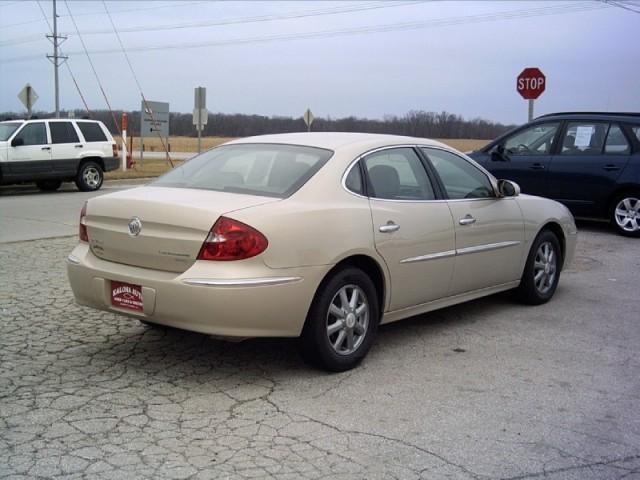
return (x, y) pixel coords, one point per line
(542, 270)
(89, 177)
(49, 185)
(625, 214)
(342, 321)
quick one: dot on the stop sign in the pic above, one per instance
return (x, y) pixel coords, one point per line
(531, 83)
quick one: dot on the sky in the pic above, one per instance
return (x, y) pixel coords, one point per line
(361, 57)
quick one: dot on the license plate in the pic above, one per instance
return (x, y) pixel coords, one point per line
(126, 295)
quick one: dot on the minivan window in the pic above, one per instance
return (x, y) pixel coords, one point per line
(616, 141)
(33, 134)
(535, 140)
(92, 132)
(584, 138)
(271, 170)
(63, 132)
(7, 129)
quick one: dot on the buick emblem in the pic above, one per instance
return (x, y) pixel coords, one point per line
(135, 226)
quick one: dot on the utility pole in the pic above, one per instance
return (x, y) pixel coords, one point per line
(55, 58)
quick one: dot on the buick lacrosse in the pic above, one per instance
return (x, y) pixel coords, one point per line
(321, 236)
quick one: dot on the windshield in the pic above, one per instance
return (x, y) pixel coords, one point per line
(271, 170)
(6, 129)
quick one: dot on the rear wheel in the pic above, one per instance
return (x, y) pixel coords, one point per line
(49, 185)
(342, 322)
(625, 214)
(89, 177)
(542, 270)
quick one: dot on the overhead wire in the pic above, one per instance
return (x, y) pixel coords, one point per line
(622, 5)
(104, 94)
(66, 63)
(135, 77)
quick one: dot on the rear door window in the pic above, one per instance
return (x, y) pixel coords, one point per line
(616, 141)
(92, 132)
(584, 138)
(33, 134)
(398, 174)
(63, 132)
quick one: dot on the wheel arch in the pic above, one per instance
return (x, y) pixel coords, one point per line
(97, 160)
(555, 228)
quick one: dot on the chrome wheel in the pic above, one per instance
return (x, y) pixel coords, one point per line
(347, 319)
(627, 214)
(91, 177)
(545, 267)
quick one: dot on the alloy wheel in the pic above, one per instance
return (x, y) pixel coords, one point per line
(627, 214)
(347, 319)
(544, 267)
(91, 177)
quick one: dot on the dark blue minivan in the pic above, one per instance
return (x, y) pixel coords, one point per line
(588, 161)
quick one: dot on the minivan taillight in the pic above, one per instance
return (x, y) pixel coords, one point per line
(82, 228)
(232, 240)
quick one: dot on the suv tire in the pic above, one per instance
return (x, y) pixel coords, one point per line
(90, 177)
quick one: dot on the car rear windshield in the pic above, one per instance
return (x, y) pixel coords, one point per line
(92, 132)
(272, 170)
(7, 129)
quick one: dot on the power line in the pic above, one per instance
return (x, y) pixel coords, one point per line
(371, 29)
(239, 20)
(620, 5)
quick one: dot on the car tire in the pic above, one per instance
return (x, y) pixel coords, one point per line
(542, 270)
(625, 214)
(340, 329)
(49, 185)
(90, 177)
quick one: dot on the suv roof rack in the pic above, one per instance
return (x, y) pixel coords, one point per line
(612, 114)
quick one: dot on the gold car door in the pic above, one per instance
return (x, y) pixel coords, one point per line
(413, 231)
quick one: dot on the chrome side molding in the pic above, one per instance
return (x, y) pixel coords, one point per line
(461, 251)
(239, 282)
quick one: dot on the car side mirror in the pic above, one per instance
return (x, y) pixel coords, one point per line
(17, 142)
(498, 154)
(507, 188)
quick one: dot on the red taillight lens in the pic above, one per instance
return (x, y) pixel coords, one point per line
(115, 150)
(232, 240)
(82, 229)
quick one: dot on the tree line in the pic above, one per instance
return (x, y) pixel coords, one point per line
(416, 123)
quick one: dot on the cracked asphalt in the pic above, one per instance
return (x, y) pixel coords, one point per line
(486, 390)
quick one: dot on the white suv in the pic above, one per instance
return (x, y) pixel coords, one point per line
(52, 151)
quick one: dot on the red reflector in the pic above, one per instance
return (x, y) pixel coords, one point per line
(82, 228)
(232, 240)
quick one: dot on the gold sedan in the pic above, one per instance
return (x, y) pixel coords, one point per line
(321, 236)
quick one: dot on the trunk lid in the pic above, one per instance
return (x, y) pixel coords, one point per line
(173, 224)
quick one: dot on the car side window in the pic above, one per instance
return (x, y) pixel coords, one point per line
(460, 177)
(636, 132)
(92, 132)
(535, 140)
(584, 138)
(616, 141)
(63, 132)
(33, 134)
(354, 182)
(398, 174)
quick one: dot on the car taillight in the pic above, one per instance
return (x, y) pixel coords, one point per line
(82, 228)
(115, 150)
(232, 240)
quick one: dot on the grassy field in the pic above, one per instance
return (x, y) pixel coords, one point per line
(153, 168)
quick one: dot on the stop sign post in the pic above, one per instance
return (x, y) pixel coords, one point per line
(530, 84)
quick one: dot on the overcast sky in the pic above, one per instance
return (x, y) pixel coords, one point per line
(462, 56)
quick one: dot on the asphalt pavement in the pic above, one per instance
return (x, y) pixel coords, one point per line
(486, 390)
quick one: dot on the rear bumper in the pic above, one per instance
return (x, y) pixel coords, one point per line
(111, 163)
(207, 298)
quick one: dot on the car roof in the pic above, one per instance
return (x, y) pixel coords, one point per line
(22, 120)
(620, 116)
(337, 140)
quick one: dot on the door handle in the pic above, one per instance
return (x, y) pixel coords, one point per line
(467, 220)
(78, 146)
(611, 168)
(46, 148)
(389, 227)
(537, 166)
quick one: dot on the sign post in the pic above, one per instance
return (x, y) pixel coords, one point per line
(125, 123)
(308, 119)
(530, 84)
(200, 113)
(28, 97)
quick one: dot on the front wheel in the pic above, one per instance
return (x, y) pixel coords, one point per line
(625, 214)
(89, 177)
(342, 322)
(542, 270)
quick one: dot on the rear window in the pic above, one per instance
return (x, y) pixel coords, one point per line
(256, 169)
(92, 132)
(63, 132)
